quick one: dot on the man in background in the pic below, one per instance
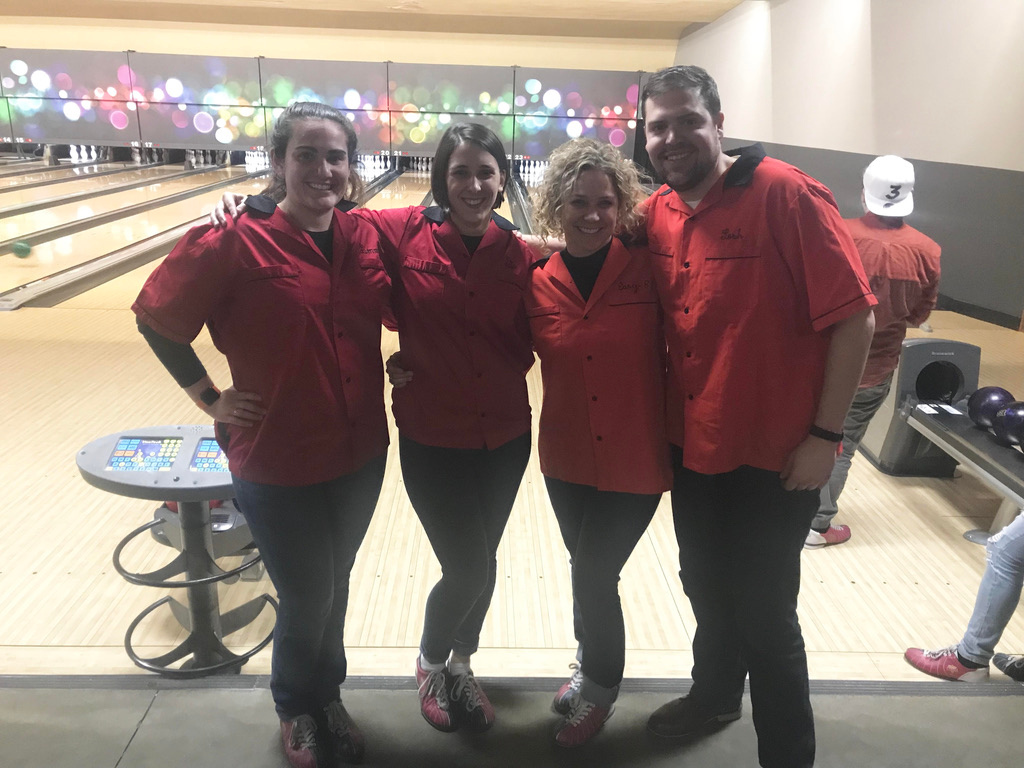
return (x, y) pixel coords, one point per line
(902, 266)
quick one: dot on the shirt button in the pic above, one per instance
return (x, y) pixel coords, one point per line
(483, 415)
(689, 397)
(686, 310)
(340, 334)
(689, 354)
(472, 294)
(479, 375)
(686, 265)
(599, 438)
(590, 357)
(586, 317)
(348, 379)
(594, 398)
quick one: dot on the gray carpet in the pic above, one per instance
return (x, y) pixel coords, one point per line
(149, 722)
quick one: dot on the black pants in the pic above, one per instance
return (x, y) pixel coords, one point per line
(740, 537)
(463, 498)
(600, 530)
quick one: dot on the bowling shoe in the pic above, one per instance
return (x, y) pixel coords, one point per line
(945, 664)
(564, 696)
(434, 704)
(470, 705)
(300, 744)
(836, 534)
(345, 742)
(1011, 666)
(582, 722)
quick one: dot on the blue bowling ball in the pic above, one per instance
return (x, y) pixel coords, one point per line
(985, 403)
(1008, 424)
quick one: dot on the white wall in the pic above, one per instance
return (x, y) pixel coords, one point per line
(935, 80)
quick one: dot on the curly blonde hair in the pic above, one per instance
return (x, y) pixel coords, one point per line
(566, 164)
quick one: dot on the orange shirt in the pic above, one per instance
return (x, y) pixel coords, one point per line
(462, 327)
(902, 266)
(750, 283)
(302, 333)
(602, 421)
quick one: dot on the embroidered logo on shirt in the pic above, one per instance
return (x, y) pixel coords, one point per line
(634, 286)
(729, 235)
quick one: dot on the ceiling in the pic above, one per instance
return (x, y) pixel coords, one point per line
(637, 19)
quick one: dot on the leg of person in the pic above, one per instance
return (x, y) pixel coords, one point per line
(865, 405)
(767, 526)
(994, 605)
(705, 535)
(569, 505)
(612, 524)
(291, 528)
(499, 473)
(353, 499)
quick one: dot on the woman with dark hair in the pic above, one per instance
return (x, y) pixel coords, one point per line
(596, 325)
(459, 277)
(294, 296)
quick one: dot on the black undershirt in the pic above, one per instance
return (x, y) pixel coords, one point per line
(324, 242)
(584, 270)
(472, 242)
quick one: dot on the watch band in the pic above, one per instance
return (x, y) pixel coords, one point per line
(209, 396)
(824, 434)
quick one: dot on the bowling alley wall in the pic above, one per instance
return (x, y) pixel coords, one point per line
(830, 84)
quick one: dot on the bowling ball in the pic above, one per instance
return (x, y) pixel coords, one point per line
(21, 249)
(1008, 424)
(985, 403)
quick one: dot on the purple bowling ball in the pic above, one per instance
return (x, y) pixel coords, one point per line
(1008, 424)
(985, 403)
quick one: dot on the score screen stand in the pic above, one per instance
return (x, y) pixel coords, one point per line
(180, 463)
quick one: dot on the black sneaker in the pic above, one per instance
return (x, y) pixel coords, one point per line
(682, 718)
(1011, 666)
(345, 742)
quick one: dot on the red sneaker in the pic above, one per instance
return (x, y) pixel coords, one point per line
(469, 703)
(582, 722)
(563, 699)
(434, 703)
(300, 746)
(944, 663)
(836, 534)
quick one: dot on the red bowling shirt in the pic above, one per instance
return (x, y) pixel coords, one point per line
(602, 422)
(751, 282)
(462, 327)
(301, 332)
(902, 266)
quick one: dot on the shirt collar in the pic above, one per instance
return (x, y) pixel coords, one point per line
(436, 214)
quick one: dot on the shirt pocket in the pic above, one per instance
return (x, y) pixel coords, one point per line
(545, 326)
(732, 281)
(272, 304)
(424, 280)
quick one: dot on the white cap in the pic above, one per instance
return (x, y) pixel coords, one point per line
(889, 186)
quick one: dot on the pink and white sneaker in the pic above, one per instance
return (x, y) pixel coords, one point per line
(945, 664)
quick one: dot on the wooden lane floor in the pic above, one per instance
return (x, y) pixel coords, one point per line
(13, 195)
(62, 172)
(65, 252)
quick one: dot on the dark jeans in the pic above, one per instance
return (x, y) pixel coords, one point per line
(600, 530)
(308, 536)
(463, 498)
(740, 537)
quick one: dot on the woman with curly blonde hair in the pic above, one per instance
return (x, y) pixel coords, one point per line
(596, 326)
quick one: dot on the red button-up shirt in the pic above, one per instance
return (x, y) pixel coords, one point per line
(902, 266)
(302, 333)
(602, 422)
(751, 282)
(462, 327)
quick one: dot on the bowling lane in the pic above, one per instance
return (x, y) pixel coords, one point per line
(51, 173)
(26, 223)
(65, 252)
(15, 196)
(121, 291)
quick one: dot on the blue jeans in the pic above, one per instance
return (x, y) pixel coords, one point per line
(998, 594)
(308, 536)
(600, 530)
(865, 405)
